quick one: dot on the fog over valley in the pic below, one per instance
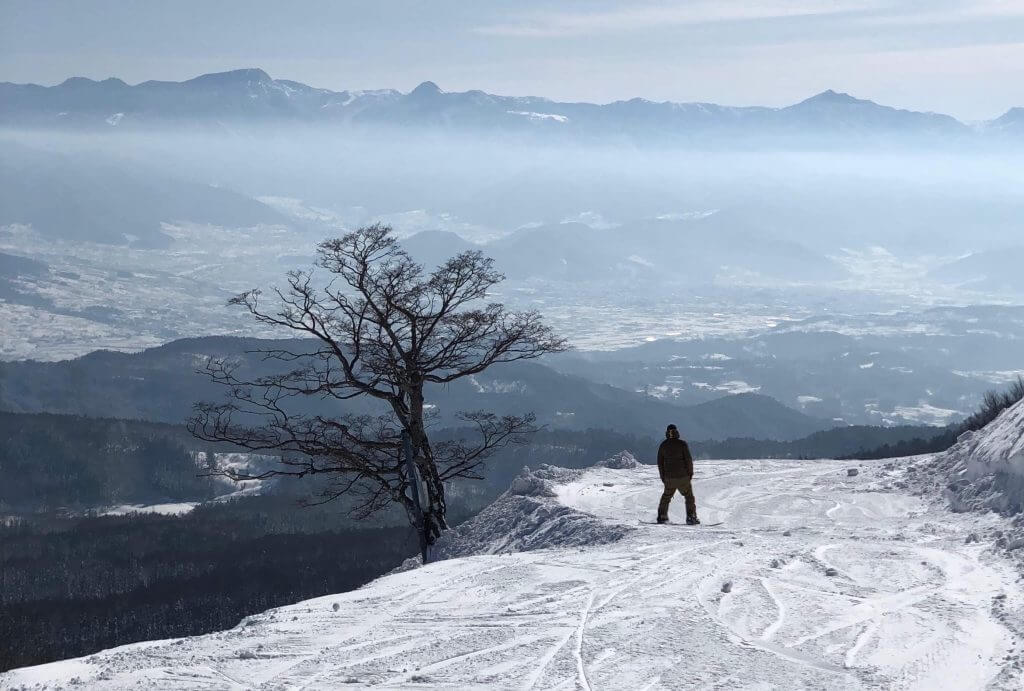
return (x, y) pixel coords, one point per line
(838, 239)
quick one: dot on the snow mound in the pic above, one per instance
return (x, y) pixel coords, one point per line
(623, 460)
(985, 469)
(541, 482)
(529, 517)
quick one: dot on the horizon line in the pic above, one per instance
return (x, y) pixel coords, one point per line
(824, 92)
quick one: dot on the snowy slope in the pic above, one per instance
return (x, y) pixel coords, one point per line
(816, 579)
(984, 469)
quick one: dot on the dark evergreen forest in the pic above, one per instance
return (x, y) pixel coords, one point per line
(69, 587)
(49, 462)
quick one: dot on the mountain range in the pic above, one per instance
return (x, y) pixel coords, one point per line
(161, 384)
(251, 96)
(640, 251)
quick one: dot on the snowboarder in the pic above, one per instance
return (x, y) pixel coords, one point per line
(675, 466)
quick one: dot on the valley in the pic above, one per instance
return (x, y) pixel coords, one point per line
(359, 378)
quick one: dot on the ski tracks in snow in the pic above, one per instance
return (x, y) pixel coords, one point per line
(841, 582)
(815, 580)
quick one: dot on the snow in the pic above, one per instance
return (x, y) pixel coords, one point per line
(637, 259)
(921, 414)
(593, 219)
(925, 414)
(552, 117)
(593, 598)
(736, 386)
(240, 462)
(994, 376)
(984, 470)
(623, 460)
(497, 386)
(176, 509)
(683, 215)
(528, 517)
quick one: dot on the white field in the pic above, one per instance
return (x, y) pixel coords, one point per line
(910, 605)
(163, 509)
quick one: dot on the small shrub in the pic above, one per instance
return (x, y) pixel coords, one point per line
(993, 403)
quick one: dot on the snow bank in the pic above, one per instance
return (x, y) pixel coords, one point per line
(985, 469)
(529, 517)
(623, 460)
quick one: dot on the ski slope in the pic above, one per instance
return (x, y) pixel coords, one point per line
(816, 579)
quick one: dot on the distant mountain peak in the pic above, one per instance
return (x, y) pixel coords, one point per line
(426, 89)
(240, 76)
(1015, 113)
(77, 81)
(90, 84)
(832, 97)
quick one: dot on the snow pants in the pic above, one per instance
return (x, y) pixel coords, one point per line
(685, 488)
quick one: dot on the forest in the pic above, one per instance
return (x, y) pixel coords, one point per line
(72, 586)
(73, 462)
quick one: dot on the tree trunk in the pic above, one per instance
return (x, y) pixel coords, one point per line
(415, 511)
(434, 506)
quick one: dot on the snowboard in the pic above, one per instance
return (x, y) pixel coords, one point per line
(685, 525)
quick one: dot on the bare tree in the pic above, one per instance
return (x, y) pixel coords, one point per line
(381, 328)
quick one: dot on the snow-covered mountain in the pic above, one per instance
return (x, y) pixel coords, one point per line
(252, 96)
(818, 576)
(247, 94)
(843, 112)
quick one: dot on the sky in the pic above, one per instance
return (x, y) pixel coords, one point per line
(953, 56)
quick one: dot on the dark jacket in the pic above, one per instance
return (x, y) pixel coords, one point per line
(674, 459)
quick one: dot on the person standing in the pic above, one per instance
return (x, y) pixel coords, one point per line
(675, 466)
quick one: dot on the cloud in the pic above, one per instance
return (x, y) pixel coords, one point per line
(866, 13)
(638, 17)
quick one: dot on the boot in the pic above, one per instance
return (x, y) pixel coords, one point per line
(692, 520)
(662, 519)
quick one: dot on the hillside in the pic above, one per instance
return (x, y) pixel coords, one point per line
(77, 463)
(995, 270)
(161, 384)
(105, 199)
(718, 244)
(815, 578)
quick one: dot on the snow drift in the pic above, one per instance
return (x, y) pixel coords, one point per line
(984, 469)
(530, 517)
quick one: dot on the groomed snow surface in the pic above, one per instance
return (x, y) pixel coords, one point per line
(816, 578)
